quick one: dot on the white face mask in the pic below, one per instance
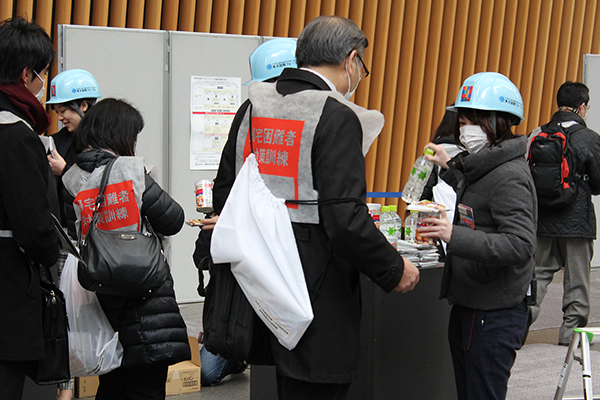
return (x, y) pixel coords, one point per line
(40, 94)
(350, 93)
(473, 138)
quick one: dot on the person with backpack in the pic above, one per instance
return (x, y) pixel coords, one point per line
(335, 236)
(566, 173)
(267, 62)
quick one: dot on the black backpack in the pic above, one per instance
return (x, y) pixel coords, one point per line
(552, 165)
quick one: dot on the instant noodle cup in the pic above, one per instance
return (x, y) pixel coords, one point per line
(204, 201)
(426, 209)
(375, 211)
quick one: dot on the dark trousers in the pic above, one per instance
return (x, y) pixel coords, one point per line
(144, 382)
(12, 379)
(484, 346)
(294, 389)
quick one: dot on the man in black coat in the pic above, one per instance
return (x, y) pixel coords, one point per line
(565, 236)
(306, 116)
(27, 235)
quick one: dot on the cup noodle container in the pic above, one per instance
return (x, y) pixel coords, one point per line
(425, 210)
(375, 211)
(204, 201)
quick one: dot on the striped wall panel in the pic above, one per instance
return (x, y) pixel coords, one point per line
(420, 51)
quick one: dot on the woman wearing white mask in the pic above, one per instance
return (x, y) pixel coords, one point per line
(490, 264)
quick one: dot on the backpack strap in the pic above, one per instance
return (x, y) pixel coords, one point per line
(570, 128)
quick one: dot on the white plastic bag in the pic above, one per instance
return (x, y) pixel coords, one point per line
(254, 233)
(94, 345)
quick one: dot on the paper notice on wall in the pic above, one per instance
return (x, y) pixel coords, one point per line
(213, 104)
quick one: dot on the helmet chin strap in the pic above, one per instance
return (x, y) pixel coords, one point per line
(77, 109)
(493, 120)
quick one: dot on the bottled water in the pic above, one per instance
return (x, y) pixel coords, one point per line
(418, 178)
(410, 226)
(396, 222)
(386, 226)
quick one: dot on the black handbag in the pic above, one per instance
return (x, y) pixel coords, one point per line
(54, 367)
(231, 327)
(121, 263)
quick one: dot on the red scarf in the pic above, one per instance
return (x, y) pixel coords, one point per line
(26, 102)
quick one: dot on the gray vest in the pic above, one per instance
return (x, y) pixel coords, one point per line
(124, 169)
(307, 107)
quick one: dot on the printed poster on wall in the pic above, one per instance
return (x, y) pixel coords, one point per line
(213, 105)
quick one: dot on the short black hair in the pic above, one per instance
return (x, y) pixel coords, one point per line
(23, 45)
(112, 124)
(572, 94)
(328, 40)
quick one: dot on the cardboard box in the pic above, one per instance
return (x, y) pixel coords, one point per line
(183, 377)
(86, 386)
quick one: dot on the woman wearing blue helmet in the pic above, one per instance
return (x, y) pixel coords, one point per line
(72, 94)
(489, 263)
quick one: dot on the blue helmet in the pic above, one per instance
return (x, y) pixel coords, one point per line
(490, 91)
(73, 84)
(270, 58)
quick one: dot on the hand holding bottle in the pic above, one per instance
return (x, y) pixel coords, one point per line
(440, 156)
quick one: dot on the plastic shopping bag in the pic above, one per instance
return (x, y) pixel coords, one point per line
(94, 345)
(254, 233)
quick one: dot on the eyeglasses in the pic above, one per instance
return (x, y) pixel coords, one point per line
(365, 72)
(587, 106)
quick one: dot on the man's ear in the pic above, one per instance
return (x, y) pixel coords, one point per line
(352, 60)
(24, 75)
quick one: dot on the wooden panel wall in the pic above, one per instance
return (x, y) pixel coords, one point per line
(420, 51)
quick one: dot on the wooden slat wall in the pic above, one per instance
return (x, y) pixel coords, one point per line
(420, 51)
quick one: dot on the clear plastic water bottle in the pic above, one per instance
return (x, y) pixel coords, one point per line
(410, 226)
(418, 179)
(396, 222)
(386, 226)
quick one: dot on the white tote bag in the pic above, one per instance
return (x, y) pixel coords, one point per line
(94, 347)
(254, 233)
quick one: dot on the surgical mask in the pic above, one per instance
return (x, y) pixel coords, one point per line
(40, 94)
(473, 138)
(350, 93)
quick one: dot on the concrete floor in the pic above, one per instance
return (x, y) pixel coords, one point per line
(237, 387)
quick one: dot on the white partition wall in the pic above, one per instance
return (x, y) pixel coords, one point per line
(194, 54)
(152, 69)
(129, 64)
(591, 77)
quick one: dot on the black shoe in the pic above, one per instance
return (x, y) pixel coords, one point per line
(242, 368)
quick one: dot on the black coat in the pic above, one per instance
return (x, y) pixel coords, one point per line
(578, 220)
(152, 329)
(333, 252)
(24, 210)
(66, 148)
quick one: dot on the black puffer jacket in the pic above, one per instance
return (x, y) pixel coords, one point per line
(152, 329)
(579, 219)
(490, 266)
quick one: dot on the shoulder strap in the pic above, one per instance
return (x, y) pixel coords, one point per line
(103, 182)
